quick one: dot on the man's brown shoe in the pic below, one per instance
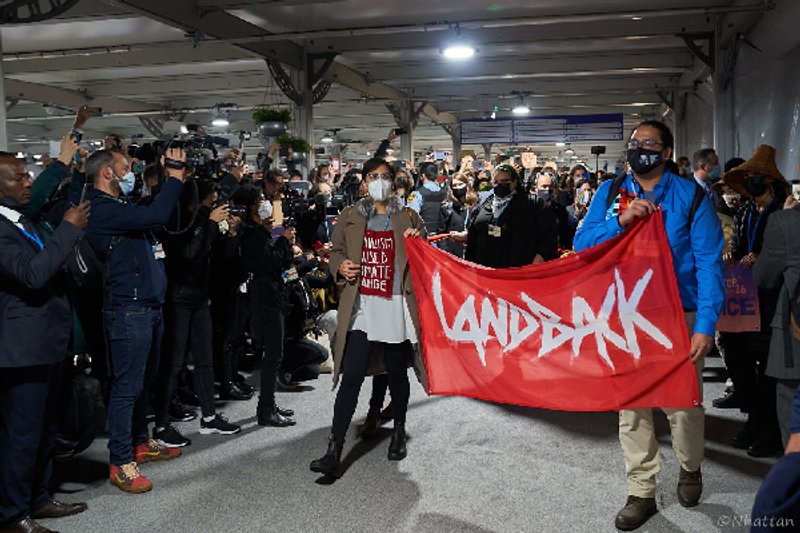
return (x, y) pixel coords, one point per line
(690, 487)
(57, 509)
(26, 525)
(636, 512)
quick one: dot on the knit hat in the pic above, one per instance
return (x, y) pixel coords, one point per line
(762, 162)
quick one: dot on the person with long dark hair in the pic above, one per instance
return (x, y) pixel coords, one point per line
(377, 310)
(265, 259)
(510, 228)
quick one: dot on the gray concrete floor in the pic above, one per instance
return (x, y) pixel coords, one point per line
(472, 467)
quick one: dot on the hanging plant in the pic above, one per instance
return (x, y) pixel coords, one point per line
(297, 144)
(262, 115)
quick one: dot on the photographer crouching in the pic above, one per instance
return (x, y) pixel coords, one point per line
(122, 235)
(265, 260)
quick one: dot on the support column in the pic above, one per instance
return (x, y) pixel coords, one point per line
(3, 130)
(406, 115)
(454, 130)
(724, 122)
(487, 152)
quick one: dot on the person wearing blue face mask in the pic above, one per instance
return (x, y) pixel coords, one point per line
(707, 171)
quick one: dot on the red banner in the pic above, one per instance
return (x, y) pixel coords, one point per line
(600, 330)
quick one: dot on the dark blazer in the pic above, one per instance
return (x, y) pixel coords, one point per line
(528, 228)
(778, 266)
(35, 316)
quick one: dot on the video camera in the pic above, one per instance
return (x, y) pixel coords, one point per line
(201, 152)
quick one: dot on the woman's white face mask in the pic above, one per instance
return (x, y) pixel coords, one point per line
(379, 189)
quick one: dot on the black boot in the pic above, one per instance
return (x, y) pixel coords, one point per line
(230, 391)
(397, 446)
(370, 427)
(330, 463)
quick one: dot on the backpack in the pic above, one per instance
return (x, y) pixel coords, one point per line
(699, 193)
(83, 416)
(86, 270)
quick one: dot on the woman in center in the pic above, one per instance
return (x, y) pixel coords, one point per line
(378, 321)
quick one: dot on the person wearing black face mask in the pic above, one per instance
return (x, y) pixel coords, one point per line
(763, 191)
(456, 214)
(545, 187)
(510, 228)
(695, 239)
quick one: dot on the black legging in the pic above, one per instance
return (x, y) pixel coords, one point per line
(186, 326)
(271, 335)
(356, 361)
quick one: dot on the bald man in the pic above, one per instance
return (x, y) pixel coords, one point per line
(35, 321)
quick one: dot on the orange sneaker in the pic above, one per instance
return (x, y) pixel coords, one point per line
(150, 451)
(128, 478)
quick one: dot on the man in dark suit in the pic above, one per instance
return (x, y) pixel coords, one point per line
(778, 265)
(35, 321)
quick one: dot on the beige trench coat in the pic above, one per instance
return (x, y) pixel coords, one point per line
(347, 240)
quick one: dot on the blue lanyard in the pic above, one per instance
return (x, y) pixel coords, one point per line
(32, 236)
(752, 230)
(640, 193)
(388, 221)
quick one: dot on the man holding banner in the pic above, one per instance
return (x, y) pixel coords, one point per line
(695, 240)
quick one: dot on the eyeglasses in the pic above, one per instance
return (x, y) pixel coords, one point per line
(372, 176)
(633, 144)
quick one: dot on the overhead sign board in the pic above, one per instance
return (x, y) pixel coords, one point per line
(538, 130)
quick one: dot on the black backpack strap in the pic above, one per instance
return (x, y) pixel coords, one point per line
(614, 190)
(699, 193)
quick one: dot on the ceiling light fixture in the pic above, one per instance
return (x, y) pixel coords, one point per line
(220, 121)
(459, 48)
(327, 138)
(561, 145)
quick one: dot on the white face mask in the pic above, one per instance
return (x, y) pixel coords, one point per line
(379, 189)
(731, 200)
(265, 210)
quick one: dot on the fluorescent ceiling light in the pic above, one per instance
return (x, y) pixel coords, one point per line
(458, 50)
(521, 109)
(220, 122)
(561, 145)
(326, 138)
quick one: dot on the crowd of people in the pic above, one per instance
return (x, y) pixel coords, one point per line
(167, 279)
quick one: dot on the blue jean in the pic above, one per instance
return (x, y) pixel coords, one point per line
(134, 334)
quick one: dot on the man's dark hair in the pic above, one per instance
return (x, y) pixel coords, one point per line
(376, 162)
(96, 162)
(271, 176)
(248, 196)
(666, 134)
(205, 188)
(510, 170)
(700, 157)
(429, 171)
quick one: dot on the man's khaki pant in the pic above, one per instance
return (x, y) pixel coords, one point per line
(638, 438)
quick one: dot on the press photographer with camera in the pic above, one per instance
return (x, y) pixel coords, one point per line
(122, 235)
(188, 311)
(265, 260)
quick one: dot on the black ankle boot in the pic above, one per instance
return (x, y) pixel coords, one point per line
(370, 427)
(329, 463)
(397, 446)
